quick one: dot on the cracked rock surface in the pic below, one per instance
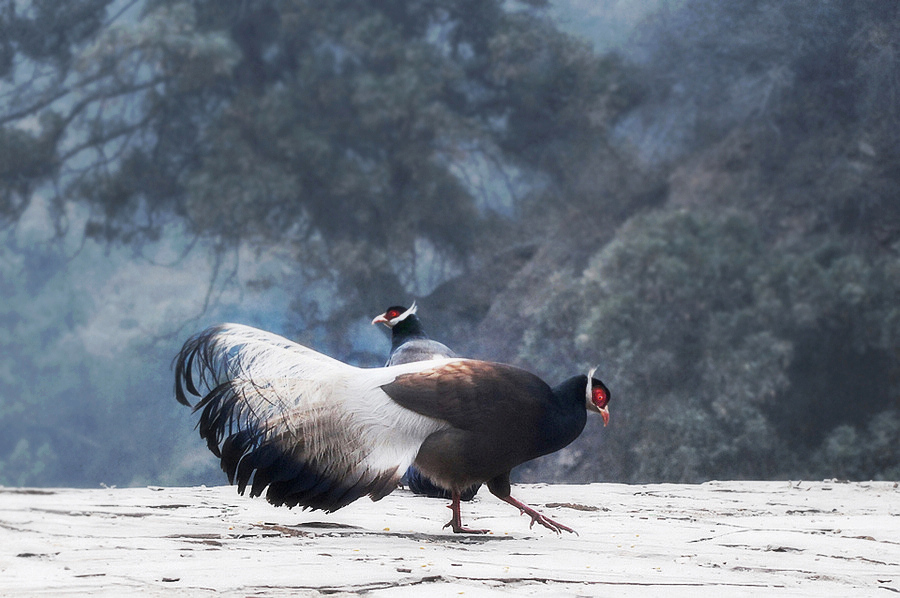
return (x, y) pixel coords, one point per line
(719, 538)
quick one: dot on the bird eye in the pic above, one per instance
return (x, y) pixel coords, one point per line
(599, 397)
(393, 313)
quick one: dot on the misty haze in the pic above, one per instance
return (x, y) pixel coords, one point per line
(702, 197)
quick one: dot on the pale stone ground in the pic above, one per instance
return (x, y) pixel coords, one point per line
(719, 539)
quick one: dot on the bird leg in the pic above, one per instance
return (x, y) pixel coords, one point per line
(456, 521)
(537, 517)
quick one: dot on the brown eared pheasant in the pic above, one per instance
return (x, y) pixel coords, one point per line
(311, 431)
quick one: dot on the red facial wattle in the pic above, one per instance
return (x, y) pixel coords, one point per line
(600, 399)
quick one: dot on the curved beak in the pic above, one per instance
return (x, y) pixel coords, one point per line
(380, 320)
(605, 414)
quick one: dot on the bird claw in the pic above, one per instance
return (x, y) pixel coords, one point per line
(548, 523)
(538, 518)
(456, 521)
(461, 529)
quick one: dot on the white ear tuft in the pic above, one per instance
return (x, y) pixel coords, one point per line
(405, 314)
(587, 392)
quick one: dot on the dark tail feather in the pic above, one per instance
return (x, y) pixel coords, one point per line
(194, 347)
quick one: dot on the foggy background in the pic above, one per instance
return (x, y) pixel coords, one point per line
(702, 197)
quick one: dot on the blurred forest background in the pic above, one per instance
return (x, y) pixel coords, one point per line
(701, 196)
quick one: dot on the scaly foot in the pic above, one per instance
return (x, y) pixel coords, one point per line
(455, 522)
(538, 518)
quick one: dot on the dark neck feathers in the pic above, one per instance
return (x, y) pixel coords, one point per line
(407, 329)
(567, 417)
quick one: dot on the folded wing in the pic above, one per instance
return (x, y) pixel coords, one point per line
(477, 396)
